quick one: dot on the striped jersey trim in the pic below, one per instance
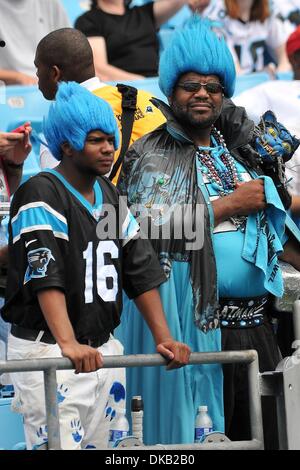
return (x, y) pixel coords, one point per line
(38, 216)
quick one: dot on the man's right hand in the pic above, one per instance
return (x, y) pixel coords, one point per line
(85, 358)
(248, 198)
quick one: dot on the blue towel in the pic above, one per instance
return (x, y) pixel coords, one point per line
(264, 237)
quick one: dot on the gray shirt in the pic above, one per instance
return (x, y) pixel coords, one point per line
(23, 23)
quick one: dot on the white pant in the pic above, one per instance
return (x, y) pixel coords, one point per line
(87, 402)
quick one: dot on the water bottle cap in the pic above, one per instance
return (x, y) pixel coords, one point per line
(137, 403)
(202, 408)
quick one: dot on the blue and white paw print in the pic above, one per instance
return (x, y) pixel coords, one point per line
(61, 393)
(109, 412)
(117, 391)
(42, 434)
(76, 430)
(116, 394)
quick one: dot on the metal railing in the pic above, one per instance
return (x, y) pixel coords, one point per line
(51, 365)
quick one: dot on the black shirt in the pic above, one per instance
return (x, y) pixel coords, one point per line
(131, 39)
(54, 242)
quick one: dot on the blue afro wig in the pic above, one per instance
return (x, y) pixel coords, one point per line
(196, 48)
(74, 113)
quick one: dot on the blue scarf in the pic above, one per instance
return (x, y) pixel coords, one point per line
(263, 238)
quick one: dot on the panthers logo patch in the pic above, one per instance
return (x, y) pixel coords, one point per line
(38, 261)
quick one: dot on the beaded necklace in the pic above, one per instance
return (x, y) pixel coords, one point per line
(219, 167)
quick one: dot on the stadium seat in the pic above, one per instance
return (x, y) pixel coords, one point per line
(75, 8)
(146, 84)
(22, 103)
(247, 81)
(284, 75)
(138, 3)
(244, 82)
(11, 427)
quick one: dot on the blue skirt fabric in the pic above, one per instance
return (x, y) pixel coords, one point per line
(172, 397)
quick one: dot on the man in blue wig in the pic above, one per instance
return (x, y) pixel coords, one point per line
(66, 274)
(204, 159)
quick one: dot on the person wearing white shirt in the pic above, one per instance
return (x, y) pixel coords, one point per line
(254, 34)
(283, 98)
(23, 24)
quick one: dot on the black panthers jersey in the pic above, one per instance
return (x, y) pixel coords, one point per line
(57, 239)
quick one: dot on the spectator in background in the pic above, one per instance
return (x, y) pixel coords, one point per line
(283, 98)
(23, 23)
(203, 7)
(124, 40)
(252, 32)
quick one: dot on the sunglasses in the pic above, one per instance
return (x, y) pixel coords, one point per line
(194, 87)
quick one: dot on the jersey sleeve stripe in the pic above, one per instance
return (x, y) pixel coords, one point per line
(130, 228)
(126, 222)
(34, 228)
(37, 217)
(39, 204)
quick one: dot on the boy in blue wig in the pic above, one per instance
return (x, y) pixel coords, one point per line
(68, 265)
(72, 123)
(206, 163)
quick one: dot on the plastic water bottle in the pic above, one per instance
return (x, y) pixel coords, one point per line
(119, 427)
(137, 413)
(203, 424)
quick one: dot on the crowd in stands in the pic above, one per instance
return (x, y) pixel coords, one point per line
(255, 31)
(133, 52)
(211, 44)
